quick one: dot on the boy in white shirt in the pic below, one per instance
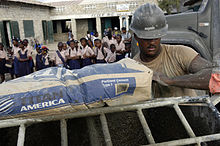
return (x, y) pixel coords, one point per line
(100, 51)
(120, 48)
(111, 57)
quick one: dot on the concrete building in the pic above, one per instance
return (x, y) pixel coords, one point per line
(92, 15)
(25, 19)
(49, 22)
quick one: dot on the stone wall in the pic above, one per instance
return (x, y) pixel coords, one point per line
(10, 11)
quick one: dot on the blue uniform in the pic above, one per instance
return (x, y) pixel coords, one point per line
(24, 67)
(74, 63)
(39, 63)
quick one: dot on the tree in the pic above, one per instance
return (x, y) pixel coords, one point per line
(169, 5)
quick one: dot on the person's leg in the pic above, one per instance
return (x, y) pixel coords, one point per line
(2, 78)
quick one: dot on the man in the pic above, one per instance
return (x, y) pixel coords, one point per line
(126, 36)
(176, 68)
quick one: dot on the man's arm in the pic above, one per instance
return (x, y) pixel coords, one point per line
(200, 73)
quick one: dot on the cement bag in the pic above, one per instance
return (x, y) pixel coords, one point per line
(58, 90)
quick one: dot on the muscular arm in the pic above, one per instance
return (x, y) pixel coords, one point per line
(200, 73)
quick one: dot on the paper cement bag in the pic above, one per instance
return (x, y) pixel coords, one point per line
(58, 90)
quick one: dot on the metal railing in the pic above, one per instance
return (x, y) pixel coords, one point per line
(173, 102)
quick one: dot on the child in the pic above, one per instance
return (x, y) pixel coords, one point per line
(45, 57)
(65, 47)
(30, 49)
(15, 50)
(120, 48)
(9, 62)
(87, 53)
(39, 63)
(111, 57)
(3, 58)
(23, 57)
(109, 39)
(74, 56)
(100, 51)
(59, 57)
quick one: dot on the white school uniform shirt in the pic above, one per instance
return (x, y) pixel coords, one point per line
(93, 39)
(99, 54)
(111, 57)
(57, 59)
(74, 52)
(3, 54)
(126, 35)
(109, 42)
(120, 46)
(87, 51)
(29, 48)
(46, 59)
(23, 52)
(15, 51)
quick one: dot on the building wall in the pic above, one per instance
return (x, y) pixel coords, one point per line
(105, 9)
(82, 27)
(10, 11)
(79, 13)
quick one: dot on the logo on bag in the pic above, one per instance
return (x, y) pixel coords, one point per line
(6, 105)
(42, 105)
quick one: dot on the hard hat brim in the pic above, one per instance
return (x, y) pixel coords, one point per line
(151, 34)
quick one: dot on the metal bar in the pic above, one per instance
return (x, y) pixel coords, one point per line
(105, 130)
(189, 141)
(184, 122)
(63, 130)
(97, 111)
(93, 133)
(145, 127)
(21, 135)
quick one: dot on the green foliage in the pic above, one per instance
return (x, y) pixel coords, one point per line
(169, 5)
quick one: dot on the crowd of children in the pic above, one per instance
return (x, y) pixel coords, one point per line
(90, 50)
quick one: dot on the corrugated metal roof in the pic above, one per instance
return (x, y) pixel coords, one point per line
(32, 2)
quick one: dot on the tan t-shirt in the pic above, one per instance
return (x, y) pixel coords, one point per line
(174, 60)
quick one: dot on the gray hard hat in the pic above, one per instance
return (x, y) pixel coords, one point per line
(149, 22)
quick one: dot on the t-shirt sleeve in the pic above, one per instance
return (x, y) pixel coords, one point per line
(106, 50)
(91, 51)
(185, 56)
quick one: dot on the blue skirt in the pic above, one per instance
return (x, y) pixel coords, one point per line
(2, 67)
(119, 57)
(16, 66)
(100, 61)
(86, 62)
(24, 68)
(74, 64)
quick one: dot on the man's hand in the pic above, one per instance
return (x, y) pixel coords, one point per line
(161, 78)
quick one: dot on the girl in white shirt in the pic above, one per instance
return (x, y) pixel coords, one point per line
(3, 57)
(87, 53)
(74, 56)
